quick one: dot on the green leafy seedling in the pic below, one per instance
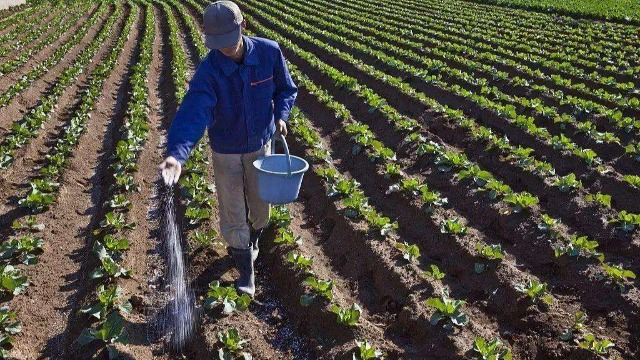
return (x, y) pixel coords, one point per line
(286, 236)
(434, 272)
(110, 332)
(347, 316)
(453, 226)
(366, 351)
(549, 225)
(627, 222)
(490, 252)
(12, 281)
(322, 288)
(300, 261)
(600, 347)
(619, 275)
(602, 199)
(535, 290)
(568, 183)
(410, 253)
(491, 349)
(109, 298)
(227, 296)
(447, 309)
(520, 201)
(579, 318)
(204, 238)
(232, 344)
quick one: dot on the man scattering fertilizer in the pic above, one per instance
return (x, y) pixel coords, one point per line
(243, 93)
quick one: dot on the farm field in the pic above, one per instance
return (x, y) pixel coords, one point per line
(474, 187)
(626, 10)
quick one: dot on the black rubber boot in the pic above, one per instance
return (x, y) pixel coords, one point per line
(254, 237)
(244, 259)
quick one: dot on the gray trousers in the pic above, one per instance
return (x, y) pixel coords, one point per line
(237, 184)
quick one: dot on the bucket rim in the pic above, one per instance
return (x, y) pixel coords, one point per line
(303, 170)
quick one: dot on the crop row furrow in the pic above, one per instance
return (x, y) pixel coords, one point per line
(42, 68)
(355, 206)
(25, 129)
(521, 156)
(549, 35)
(59, 25)
(24, 16)
(377, 150)
(514, 52)
(470, 80)
(447, 221)
(472, 43)
(112, 242)
(198, 194)
(459, 55)
(200, 199)
(17, 37)
(24, 243)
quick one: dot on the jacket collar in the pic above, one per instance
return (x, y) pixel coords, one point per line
(250, 57)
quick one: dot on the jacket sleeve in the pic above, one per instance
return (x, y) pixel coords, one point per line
(193, 116)
(286, 90)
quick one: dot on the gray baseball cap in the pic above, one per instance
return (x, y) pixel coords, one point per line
(222, 24)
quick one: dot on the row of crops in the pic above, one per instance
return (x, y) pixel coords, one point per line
(343, 48)
(483, 168)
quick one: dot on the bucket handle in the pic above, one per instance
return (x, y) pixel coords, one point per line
(286, 150)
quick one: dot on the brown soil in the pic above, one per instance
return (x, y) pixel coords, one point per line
(366, 268)
(30, 156)
(11, 44)
(13, 10)
(582, 217)
(58, 283)
(28, 98)
(478, 213)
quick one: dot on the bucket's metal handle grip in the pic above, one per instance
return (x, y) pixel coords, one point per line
(286, 150)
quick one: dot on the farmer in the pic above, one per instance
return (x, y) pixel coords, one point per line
(243, 93)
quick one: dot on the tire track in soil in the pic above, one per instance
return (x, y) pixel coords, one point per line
(14, 182)
(30, 97)
(58, 281)
(261, 325)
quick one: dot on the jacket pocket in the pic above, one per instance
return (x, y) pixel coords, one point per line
(262, 88)
(258, 82)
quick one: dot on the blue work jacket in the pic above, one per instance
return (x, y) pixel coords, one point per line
(238, 103)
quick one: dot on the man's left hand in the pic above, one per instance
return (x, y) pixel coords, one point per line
(281, 127)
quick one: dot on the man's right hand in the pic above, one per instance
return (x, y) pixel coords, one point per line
(170, 170)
